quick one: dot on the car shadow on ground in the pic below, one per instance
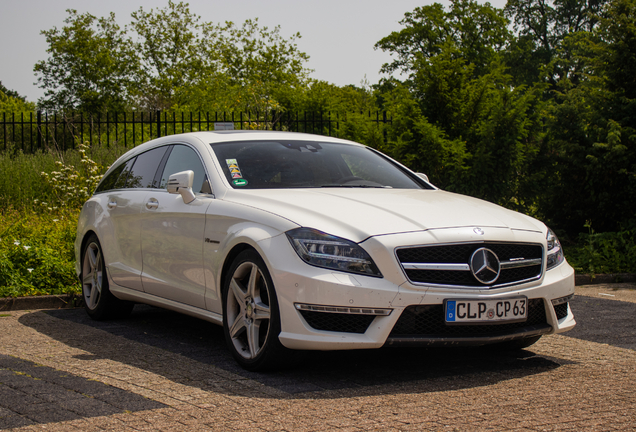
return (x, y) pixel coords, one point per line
(362, 370)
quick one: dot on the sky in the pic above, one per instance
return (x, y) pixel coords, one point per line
(338, 35)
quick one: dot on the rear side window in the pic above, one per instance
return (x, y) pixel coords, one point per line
(145, 168)
(109, 181)
(121, 180)
(138, 172)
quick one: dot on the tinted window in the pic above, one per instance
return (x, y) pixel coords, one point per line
(108, 183)
(289, 164)
(183, 158)
(145, 167)
(121, 180)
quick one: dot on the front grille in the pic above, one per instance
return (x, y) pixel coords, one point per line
(461, 254)
(338, 322)
(427, 321)
(561, 310)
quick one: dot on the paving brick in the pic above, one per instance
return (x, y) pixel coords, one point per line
(143, 374)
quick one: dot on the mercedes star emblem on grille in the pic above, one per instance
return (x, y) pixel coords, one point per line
(484, 264)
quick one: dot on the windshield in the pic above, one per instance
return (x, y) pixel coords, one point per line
(308, 164)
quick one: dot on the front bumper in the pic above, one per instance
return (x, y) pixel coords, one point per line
(322, 309)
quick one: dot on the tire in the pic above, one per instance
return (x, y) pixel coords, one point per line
(518, 344)
(99, 302)
(251, 317)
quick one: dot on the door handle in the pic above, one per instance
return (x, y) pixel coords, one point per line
(152, 204)
(112, 204)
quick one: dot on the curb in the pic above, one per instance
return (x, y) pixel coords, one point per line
(591, 279)
(63, 301)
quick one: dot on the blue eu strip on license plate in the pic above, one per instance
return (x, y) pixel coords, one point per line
(450, 310)
(486, 311)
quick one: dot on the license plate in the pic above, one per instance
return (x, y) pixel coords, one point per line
(495, 311)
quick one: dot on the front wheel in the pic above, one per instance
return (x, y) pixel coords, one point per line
(99, 302)
(251, 318)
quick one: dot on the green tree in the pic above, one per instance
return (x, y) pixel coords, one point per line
(542, 26)
(11, 102)
(591, 128)
(256, 69)
(173, 55)
(458, 117)
(11, 105)
(11, 93)
(477, 31)
(89, 67)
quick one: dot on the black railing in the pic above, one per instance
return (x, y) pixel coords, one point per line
(32, 131)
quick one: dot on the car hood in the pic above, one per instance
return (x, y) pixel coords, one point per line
(357, 214)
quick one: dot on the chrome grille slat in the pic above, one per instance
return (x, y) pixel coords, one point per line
(438, 266)
(448, 265)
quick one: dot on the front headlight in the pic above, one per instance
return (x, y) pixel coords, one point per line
(555, 252)
(323, 250)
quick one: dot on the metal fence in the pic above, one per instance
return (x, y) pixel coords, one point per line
(32, 131)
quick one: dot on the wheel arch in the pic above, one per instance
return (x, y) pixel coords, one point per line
(231, 256)
(87, 235)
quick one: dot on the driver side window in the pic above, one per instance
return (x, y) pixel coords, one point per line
(183, 158)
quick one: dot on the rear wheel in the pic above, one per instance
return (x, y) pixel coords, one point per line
(99, 302)
(251, 318)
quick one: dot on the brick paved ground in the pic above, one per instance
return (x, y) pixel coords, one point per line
(162, 371)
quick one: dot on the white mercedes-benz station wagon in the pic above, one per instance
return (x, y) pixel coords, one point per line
(303, 242)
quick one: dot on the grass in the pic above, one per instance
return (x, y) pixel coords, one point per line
(21, 174)
(36, 253)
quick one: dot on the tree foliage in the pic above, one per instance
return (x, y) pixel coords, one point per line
(90, 66)
(540, 119)
(167, 58)
(592, 131)
(11, 102)
(468, 127)
(542, 27)
(476, 31)
(172, 55)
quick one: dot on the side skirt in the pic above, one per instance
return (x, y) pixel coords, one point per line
(149, 299)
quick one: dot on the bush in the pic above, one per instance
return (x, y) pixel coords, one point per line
(21, 179)
(36, 253)
(608, 252)
(40, 197)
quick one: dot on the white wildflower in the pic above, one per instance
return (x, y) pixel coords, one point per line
(30, 270)
(26, 247)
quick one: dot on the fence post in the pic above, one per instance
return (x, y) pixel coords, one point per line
(384, 127)
(39, 129)
(158, 123)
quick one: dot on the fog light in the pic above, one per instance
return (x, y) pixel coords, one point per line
(561, 300)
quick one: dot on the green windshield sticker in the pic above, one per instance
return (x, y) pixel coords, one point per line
(240, 182)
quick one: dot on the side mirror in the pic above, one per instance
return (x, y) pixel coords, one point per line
(423, 177)
(181, 183)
